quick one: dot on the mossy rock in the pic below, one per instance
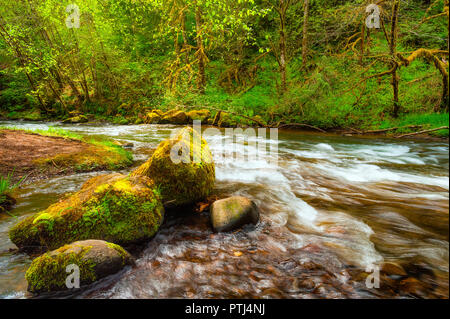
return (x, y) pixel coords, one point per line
(114, 207)
(183, 170)
(228, 120)
(216, 118)
(76, 119)
(6, 202)
(157, 111)
(152, 118)
(201, 115)
(95, 259)
(231, 213)
(176, 118)
(75, 113)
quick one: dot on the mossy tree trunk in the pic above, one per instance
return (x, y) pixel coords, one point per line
(393, 52)
(201, 80)
(305, 33)
(282, 59)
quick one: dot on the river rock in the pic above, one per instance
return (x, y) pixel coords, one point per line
(6, 202)
(95, 259)
(227, 120)
(124, 144)
(413, 287)
(182, 167)
(201, 115)
(231, 213)
(177, 118)
(76, 119)
(393, 269)
(115, 208)
(153, 117)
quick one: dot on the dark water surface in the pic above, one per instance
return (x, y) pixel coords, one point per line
(331, 206)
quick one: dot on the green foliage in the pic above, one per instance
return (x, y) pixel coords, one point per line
(7, 186)
(129, 57)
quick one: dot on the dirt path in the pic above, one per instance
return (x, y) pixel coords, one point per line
(20, 150)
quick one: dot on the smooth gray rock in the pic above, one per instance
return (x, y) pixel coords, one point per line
(231, 213)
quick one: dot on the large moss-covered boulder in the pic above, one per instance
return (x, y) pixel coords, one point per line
(231, 213)
(182, 167)
(114, 207)
(91, 259)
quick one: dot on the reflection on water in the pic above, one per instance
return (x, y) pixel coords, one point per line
(330, 207)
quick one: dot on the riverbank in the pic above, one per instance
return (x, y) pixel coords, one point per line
(46, 153)
(400, 128)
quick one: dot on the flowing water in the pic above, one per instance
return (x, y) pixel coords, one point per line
(332, 209)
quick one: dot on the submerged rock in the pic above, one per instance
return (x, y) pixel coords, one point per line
(114, 207)
(393, 269)
(182, 167)
(95, 259)
(231, 213)
(123, 144)
(6, 202)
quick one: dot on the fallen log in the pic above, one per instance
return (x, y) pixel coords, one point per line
(300, 125)
(382, 130)
(423, 132)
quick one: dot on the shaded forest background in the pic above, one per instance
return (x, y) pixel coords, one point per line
(286, 61)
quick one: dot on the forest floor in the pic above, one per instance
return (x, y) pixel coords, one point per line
(20, 151)
(35, 156)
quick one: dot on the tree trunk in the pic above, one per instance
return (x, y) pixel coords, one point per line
(282, 61)
(393, 52)
(305, 33)
(363, 39)
(201, 81)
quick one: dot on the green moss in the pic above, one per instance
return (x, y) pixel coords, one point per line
(201, 115)
(185, 182)
(174, 117)
(48, 272)
(153, 117)
(122, 252)
(77, 119)
(114, 208)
